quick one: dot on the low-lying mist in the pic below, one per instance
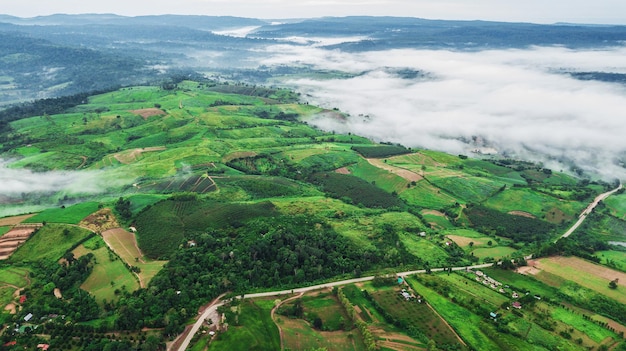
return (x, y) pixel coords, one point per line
(519, 102)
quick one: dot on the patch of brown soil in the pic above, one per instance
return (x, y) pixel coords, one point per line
(130, 156)
(11, 308)
(461, 240)
(587, 267)
(149, 112)
(522, 214)
(57, 293)
(14, 220)
(15, 237)
(100, 221)
(528, 270)
(404, 173)
(342, 170)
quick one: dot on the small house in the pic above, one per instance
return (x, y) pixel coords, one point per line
(517, 305)
(493, 314)
(28, 317)
(400, 280)
(406, 295)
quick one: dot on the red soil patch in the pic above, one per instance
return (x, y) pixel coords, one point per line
(149, 112)
(342, 170)
(10, 241)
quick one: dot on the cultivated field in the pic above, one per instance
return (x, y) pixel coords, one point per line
(10, 221)
(10, 241)
(124, 244)
(584, 273)
(109, 276)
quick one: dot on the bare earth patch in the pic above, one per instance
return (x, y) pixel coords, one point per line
(130, 156)
(586, 267)
(461, 240)
(404, 173)
(522, 214)
(149, 112)
(100, 221)
(11, 308)
(342, 170)
(11, 240)
(14, 220)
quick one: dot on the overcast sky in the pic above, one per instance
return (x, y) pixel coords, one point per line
(538, 11)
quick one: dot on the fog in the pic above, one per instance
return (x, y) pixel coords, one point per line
(17, 181)
(519, 102)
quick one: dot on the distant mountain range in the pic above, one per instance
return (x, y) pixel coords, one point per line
(64, 54)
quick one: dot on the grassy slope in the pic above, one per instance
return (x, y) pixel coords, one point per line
(49, 243)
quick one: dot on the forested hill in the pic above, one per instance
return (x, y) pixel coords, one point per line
(384, 33)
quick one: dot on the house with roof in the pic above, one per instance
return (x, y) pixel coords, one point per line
(517, 305)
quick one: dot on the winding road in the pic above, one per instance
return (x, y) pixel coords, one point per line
(587, 211)
(212, 308)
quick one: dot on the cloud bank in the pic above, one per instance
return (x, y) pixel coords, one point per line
(17, 181)
(518, 100)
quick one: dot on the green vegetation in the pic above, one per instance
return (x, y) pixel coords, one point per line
(212, 178)
(70, 215)
(250, 328)
(49, 243)
(379, 151)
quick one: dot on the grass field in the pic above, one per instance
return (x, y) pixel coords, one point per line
(11, 279)
(586, 274)
(4, 230)
(256, 330)
(538, 204)
(616, 258)
(299, 335)
(418, 315)
(617, 205)
(495, 252)
(125, 245)
(70, 215)
(592, 330)
(463, 321)
(109, 274)
(49, 243)
(424, 194)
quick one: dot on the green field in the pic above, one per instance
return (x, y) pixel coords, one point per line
(4, 230)
(10, 278)
(595, 332)
(49, 243)
(613, 259)
(462, 321)
(495, 252)
(70, 215)
(109, 274)
(414, 314)
(255, 330)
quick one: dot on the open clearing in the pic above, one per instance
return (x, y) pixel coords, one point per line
(404, 173)
(132, 155)
(149, 112)
(584, 273)
(124, 244)
(6, 221)
(108, 276)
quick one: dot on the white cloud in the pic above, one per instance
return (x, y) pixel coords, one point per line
(17, 181)
(513, 98)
